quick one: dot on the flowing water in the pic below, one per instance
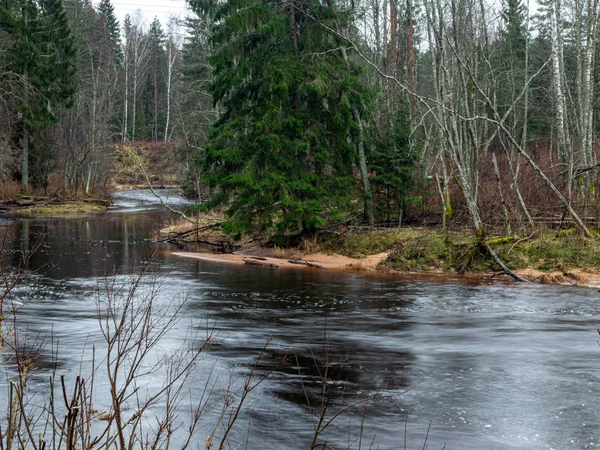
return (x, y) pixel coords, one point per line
(465, 365)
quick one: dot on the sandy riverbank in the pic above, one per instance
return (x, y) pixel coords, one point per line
(315, 260)
(371, 263)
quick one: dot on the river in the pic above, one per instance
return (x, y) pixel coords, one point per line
(464, 365)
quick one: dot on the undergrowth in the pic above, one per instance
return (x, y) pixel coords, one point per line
(417, 249)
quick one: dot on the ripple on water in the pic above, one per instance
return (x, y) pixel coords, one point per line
(492, 366)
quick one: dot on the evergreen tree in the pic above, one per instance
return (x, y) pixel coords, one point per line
(157, 47)
(42, 53)
(393, 164)
(282, 152)
(112, 28)
(514, 29)
(510, 60)
(58, 48)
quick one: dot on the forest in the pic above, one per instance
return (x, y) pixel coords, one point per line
(292, 116)
(352, 182)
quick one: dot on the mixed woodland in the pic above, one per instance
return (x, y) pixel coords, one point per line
(295, 115)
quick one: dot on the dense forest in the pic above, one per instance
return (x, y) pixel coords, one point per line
(294, 115)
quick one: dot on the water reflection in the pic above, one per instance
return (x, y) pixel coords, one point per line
(492, 366)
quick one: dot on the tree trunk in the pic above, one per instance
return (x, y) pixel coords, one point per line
(507, 229)
(25, 159)
(134, 104)
(393, 37)
(411, 60)
(364, 173)
(565, 151)
(126, 112)
(585, 100)
(171, 62)
(155, 118)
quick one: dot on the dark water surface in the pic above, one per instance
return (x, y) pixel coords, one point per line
(489, 365)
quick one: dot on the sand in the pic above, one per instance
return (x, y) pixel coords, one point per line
(322, 261)
(317, 261)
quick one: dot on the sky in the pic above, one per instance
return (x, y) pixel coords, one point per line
(162, 9)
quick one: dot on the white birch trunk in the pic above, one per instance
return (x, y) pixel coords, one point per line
(170, 65)
(585, 100)
(126, 112)
(565, 151)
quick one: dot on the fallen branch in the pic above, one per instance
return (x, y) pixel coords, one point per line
(304, 263)
(519, 241)
(252, 262)
(502, 265)
(176, 236)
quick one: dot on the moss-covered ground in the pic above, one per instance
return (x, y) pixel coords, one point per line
(422, 249)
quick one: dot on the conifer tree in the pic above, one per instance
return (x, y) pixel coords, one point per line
(42, 53)
(393, 164)
(282, 152)
(157, 41)
(112, 28)
(515, 32)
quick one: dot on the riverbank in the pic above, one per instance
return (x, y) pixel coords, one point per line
(50, 206)
(298, 261)
(548, 257)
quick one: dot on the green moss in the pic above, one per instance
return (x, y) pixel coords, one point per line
(362, 244)
(425, 250)
(549, 252)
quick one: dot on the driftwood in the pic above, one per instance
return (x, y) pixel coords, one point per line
(253, 262)
(175, 236)
(305, 263)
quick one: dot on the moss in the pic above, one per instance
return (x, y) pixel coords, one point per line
(426, 250)
(362, 244)
(552, 251)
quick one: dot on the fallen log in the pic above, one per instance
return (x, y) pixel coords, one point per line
(252, 262)
(297, 261)
(180, 235)
(305, 263)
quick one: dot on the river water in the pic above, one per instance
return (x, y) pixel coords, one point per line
(457, 364)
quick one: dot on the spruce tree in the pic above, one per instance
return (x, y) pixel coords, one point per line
(393, 163)
(58, 48)
(157, 44)
(42, 53)
(112, 28)
(514, 29)
(20, 19)
(282, 151)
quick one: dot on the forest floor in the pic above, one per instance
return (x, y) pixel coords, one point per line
(547, 257)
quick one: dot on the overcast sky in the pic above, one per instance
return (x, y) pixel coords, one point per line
(162, 9)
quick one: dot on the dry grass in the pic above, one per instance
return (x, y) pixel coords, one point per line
(9, 190)
(62, 208)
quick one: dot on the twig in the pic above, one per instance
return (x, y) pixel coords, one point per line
(519, 241)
